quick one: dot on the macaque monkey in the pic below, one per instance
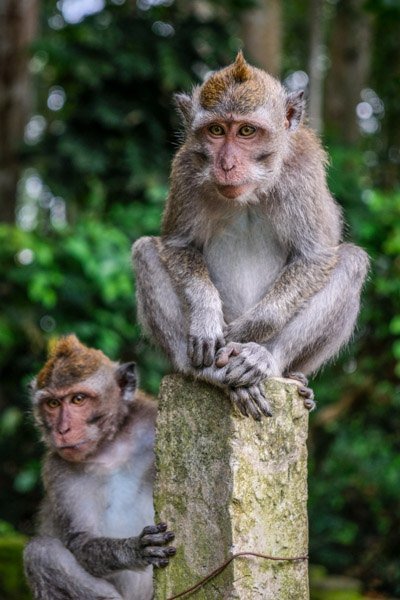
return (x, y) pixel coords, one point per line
(98, 477)
(249, 278)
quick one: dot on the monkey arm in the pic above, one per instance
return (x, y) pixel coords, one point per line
(299, 280)
(102, 556)
(189, 273)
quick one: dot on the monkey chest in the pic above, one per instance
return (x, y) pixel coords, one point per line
(126, 505)
(114, 504)
(244, 260)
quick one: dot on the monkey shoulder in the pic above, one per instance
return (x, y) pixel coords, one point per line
(306, 154)
(133, 443)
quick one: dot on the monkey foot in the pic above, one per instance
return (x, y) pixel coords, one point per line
(308, 397)
(297, 376)
(302, 386)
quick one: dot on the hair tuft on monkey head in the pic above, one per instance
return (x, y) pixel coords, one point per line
(69, 360)
(239, 88)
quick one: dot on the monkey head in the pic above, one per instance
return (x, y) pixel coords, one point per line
(80, 398)
(238, 125)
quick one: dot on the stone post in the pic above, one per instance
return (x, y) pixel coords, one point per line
(228, 484)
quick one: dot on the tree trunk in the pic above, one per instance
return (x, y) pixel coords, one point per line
(262, 35)
(18, 24)
(350, 53)
(316, 67)
(226, 484)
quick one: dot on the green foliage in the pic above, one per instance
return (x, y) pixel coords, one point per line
(355, 490)
(12, 579)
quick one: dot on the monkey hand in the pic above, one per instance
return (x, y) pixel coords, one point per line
(245, 364)
(204, 341)
(250, 401)
(151, 540)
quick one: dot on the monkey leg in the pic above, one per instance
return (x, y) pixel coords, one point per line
(162, 316)
(159, 309)
(54, 574)
(320, 329)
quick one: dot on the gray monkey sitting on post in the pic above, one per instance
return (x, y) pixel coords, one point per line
(250, 278)
(98, 478)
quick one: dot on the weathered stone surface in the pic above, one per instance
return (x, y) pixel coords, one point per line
(228, 484)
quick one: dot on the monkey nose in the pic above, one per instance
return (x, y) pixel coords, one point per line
(63, 426)
(227, 166)
(63, 429)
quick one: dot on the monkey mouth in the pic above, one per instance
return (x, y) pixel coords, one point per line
(71, 449)
(234, 191)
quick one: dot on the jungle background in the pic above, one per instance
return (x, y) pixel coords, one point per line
(87, 134)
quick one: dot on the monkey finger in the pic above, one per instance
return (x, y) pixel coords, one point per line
(158, 562)
(238, 397)
(208, 353)
(310, 404)
(242, 375)
(220, 343)
(308, 397)
(158, 552)
(306, 392)
(253, 409)
(249, 378)
(223, 354)
(222, 358)
(240, 405)
(157, 539)
(260, 400)
(240, 361)
(297, 376)
(150, 529)
(195, 351)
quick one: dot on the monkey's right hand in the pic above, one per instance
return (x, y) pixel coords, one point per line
(150, 541)
(250, 401)
(203, 343)
(245, 364)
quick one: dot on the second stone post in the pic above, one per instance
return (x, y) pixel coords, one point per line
(226, 484)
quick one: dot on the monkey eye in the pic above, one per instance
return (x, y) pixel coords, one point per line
(78, 399)
(52, 403)
(247, 130)
(216, 129)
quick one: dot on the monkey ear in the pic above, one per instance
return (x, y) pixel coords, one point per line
(295, 105)
(127, 380)
(183, 103)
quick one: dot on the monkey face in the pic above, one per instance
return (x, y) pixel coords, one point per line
(75, 419)
(238, 126)
(241, 154)
(81, 398)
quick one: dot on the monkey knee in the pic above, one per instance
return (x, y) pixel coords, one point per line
(144, 247)
(355, 262)
(41, 550)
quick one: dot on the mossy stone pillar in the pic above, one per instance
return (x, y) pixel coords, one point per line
(228, 484)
